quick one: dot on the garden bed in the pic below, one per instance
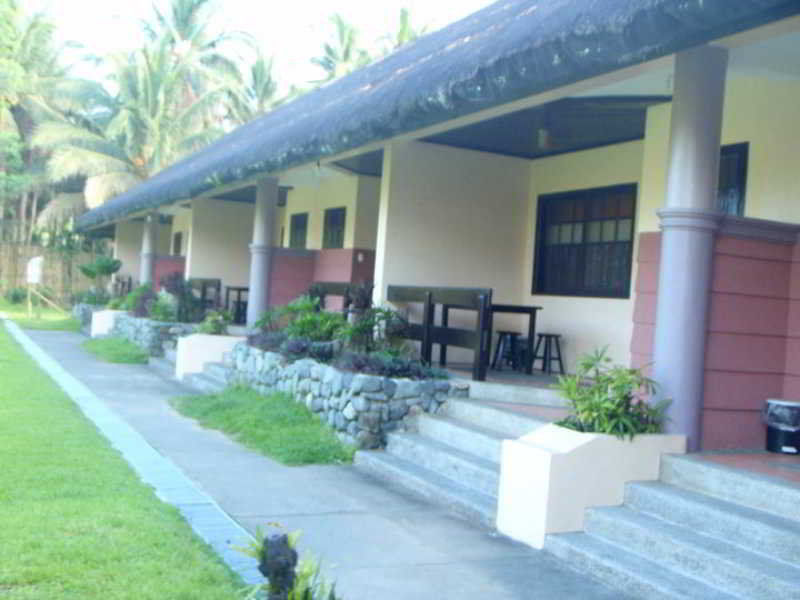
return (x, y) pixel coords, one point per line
(361, 408)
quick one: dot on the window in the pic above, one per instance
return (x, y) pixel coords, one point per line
(333, 233)
(585, 242)
(177, 243)
(732, 179)
(298, 230)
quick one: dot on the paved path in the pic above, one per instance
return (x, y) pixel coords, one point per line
(375, 542)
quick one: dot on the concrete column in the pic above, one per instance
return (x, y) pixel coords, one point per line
(261, 249)
(149, 243)
(689, 220)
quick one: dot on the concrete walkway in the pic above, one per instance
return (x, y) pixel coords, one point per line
(375, 542)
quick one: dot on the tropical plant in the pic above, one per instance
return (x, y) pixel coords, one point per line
(100, 270)
(405, 33)
(316, 326)
(288, 576)
(215, 323)
(342, 55)
(132, 135)
(31, 87)
(611, 399)
(256, 93)
(376, 330)
(164, 307)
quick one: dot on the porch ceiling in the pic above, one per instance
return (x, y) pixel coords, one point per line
(563, 126)
(510, 50)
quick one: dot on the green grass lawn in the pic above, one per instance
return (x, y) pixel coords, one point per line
(274, 425)
(49, 317)
(75, 521)
(116, 350)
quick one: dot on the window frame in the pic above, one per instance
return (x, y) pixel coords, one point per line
(742, 149)
(177, 243)
(326, 232)
(292, 231)
(540, 228)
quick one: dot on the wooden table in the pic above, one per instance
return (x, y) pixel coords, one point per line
(518, 309)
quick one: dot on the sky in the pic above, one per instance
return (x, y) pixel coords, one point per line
(292, 31)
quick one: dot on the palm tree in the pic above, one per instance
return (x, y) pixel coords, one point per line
(30, 88)
(405, 34)
(256, 95)
(123, 139)
(343, 56)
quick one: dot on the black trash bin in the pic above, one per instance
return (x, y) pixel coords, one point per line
(783, 426)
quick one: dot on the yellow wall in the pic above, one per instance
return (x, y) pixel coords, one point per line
(182, 223)
(359, 195)
(365, 234)
(332, 192)
(584, 323)
(128, 246)
(761, 111)
(220, 239)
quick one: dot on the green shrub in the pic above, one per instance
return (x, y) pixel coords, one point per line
(611, 399)
(215, 323)
(16, 295)
(376, 330)
(164, 308)
(139, 300)
(116, 303)
(190, 308)
(316, 326)
(93, 296)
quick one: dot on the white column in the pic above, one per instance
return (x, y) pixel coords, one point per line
(148, 254)
(689, 220)
(261, 249)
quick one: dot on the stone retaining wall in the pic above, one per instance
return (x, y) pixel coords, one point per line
(83, 314)
(148, 334)
(361, 408)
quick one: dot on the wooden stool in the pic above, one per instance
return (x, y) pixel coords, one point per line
(507, 349)
(548, 356)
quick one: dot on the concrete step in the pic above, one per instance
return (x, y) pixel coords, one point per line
(520, 394)
(463, 468)
(171, 354)
(473, 439)
(162, 366)
(203, 383)
(477, 412)
(680, 549)
(733, 485)
(633, 575)
(216, 371)
(432, 486)
(752, 529)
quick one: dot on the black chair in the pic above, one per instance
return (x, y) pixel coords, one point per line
(508, 350)
(550, 352)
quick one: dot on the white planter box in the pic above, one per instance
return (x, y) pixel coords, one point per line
(103, 322)
(195, 350)
(549, 478)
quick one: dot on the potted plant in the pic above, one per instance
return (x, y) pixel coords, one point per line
(611, 399)
(549, 477)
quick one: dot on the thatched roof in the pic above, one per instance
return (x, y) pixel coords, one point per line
(509, 50)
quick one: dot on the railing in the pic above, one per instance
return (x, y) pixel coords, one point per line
(428, 333)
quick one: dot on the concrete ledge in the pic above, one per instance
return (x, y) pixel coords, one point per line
(549, 478)
(195, 350)
(103, 322)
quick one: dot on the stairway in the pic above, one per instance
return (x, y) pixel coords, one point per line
(164, 365)
(212, 380)
(703, 531)
(453, 458)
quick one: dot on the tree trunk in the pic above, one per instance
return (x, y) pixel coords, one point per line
(34, 215)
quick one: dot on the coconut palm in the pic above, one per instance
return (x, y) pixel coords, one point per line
(31, 80)
(256, 94)
(126, 138)
(405, 33)
(343, 55)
